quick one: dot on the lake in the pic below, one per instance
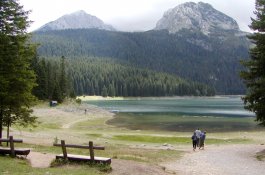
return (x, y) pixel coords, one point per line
(214, 114)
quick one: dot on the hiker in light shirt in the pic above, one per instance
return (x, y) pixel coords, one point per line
(198, 135)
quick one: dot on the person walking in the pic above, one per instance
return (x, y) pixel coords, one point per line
(198, 135)
(194, 141)
(202, 139)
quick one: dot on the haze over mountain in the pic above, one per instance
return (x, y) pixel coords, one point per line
(193, 41)
(76, 20)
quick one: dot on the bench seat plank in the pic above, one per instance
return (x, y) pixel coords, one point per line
(75, 157)
(18, 151)
(14, 140)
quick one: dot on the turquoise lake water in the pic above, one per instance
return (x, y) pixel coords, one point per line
(180, 114)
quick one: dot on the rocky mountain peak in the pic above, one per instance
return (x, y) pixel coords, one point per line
(196, 16)
(76, 20)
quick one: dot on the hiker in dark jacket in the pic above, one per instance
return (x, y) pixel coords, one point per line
(202, 139)
(194, 141)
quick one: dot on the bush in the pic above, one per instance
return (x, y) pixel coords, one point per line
(78, 101)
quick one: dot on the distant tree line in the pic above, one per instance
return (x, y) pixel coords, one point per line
(106, 77)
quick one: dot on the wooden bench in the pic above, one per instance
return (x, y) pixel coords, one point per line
(12, 151)
(73, 157)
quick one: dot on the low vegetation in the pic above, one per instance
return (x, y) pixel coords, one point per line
(261, 155)
(175, 140)
(11, 166)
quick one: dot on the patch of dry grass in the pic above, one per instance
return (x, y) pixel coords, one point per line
(261, 155)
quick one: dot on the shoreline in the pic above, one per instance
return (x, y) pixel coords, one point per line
(183, 122)
(95, 98)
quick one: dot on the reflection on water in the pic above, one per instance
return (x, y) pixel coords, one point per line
(182, 114)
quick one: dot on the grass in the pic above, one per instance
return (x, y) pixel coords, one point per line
(176, 122)
(101, 167)
(141, 154)
(94, 135)
(174, 140)
(15, 166)
(114, 151)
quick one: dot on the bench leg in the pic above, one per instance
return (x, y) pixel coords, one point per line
(64, 149)
(12, 148)
(91, 151)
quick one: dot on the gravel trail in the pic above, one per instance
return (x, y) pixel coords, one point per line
(216, 160)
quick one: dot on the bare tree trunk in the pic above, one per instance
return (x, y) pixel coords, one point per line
(1, 123)
(8, 129)
(7, 132)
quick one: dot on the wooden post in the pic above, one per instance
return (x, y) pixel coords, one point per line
(12, 149)
(91, 150)
(64, 149)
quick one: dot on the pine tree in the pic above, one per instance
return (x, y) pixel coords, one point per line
(41, 90)
(254, 75)
(63, 78)
(104, 91)
(16, 77)
(111, 90)
(57, 93)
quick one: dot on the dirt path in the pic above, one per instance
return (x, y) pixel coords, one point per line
(127, 167)
(216, 160)
(68, 125)
(40, 160)
(119, 167)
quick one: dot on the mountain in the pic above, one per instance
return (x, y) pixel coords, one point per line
(207, 55)
(77, 20)
(192, 16)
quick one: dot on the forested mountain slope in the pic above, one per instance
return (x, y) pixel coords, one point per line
(101, 76)
(212, 59)
(193, 41)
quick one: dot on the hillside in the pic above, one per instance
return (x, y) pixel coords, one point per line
(205, 49)
(190, 55)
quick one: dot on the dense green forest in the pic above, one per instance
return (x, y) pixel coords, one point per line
(212, 60)
(106, 77)
(53, 81)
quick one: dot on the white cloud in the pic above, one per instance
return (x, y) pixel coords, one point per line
(129, 15)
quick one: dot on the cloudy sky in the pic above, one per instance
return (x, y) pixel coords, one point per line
(130, 15)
